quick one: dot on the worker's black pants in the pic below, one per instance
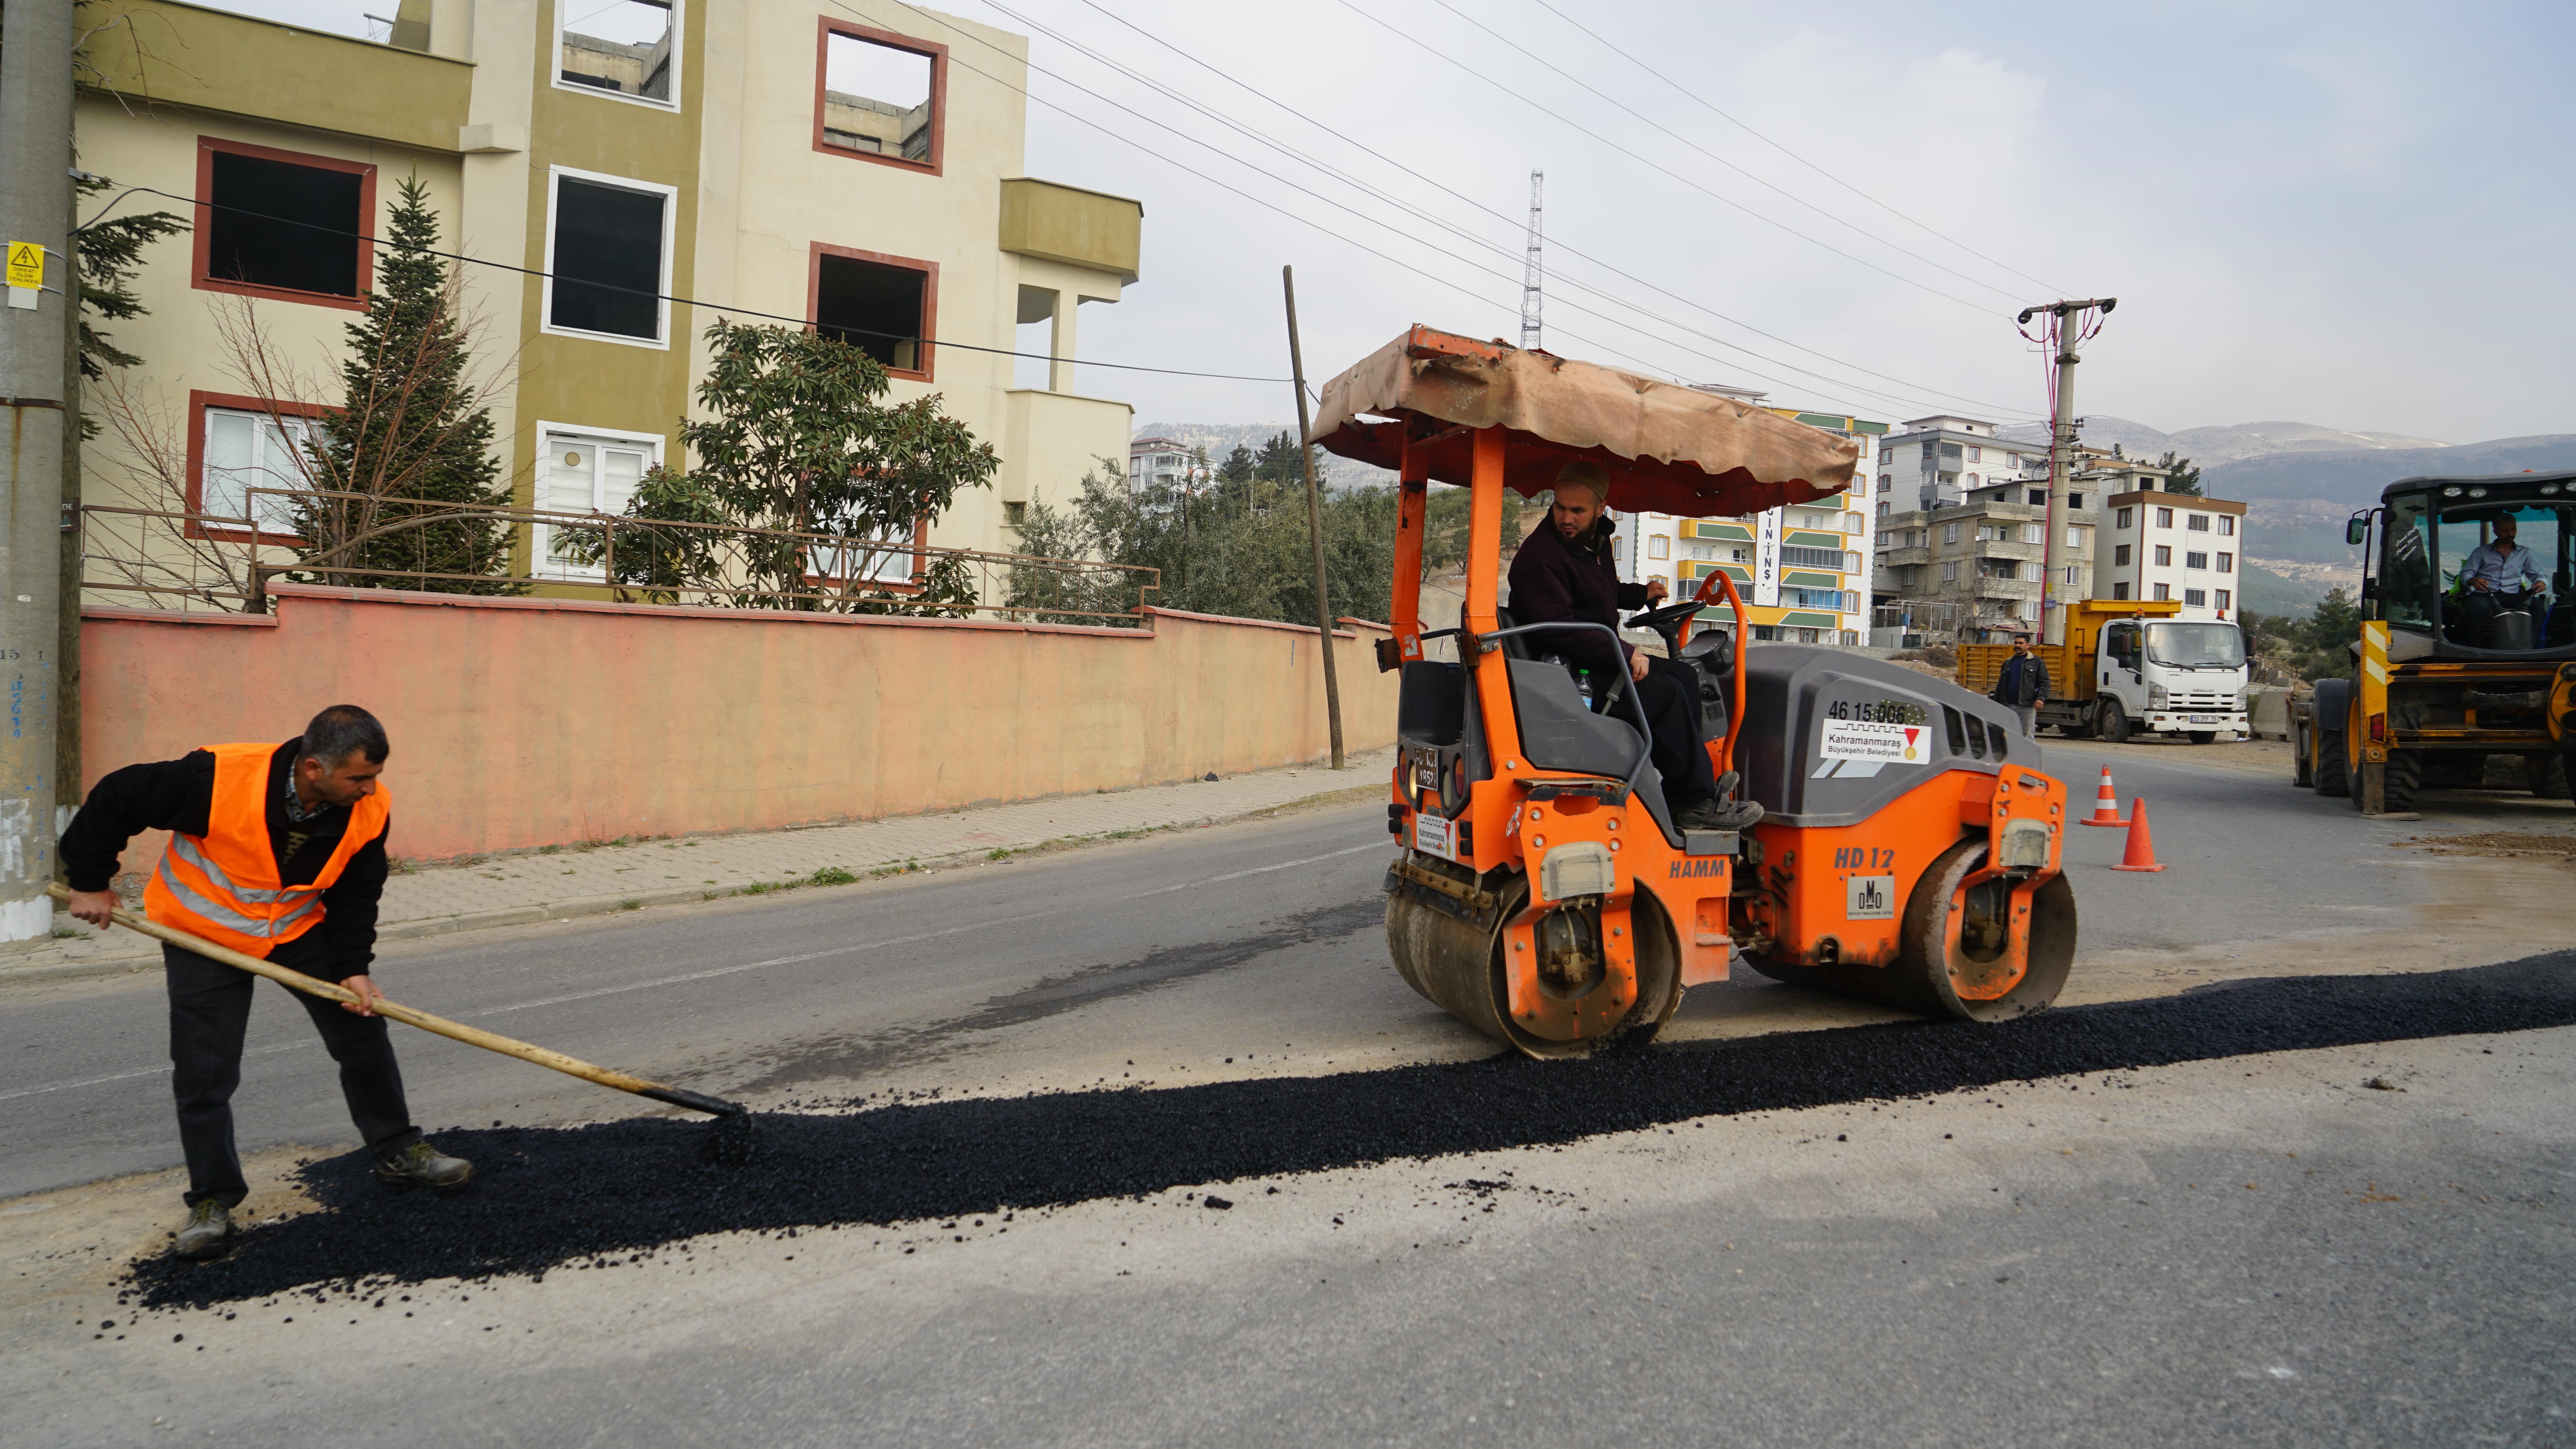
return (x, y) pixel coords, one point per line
(1670, 693)
(209, 1011)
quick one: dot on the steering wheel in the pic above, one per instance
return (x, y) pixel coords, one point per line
(1657, 620)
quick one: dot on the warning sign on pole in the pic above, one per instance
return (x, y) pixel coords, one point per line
(26, 264)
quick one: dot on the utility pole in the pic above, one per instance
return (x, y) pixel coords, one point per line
(35, 226)
(1530, 276)
(1314, 521)
(2066, 329)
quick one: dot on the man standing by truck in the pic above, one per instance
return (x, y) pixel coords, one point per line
(2023, 684)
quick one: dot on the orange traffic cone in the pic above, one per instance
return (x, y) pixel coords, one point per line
(2141, 854)
(2106, 803)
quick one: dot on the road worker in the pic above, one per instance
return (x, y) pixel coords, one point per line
(278, 852)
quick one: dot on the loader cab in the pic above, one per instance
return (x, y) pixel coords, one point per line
(2419, 541)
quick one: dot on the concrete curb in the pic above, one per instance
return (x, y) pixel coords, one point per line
(126, 960)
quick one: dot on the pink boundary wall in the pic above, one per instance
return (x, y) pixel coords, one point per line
(526, 722)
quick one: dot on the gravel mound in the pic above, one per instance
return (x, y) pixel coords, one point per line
(556, 1198)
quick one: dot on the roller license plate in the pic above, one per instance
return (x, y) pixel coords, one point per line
(2205, 719)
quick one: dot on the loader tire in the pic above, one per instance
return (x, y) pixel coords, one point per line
(2548, 775)
(2403, 782)
(2334, 778)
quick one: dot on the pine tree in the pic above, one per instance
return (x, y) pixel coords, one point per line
(411, 427)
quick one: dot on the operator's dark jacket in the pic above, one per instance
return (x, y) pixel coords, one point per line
(179, 794)
(1553, 579)
(2024, 681)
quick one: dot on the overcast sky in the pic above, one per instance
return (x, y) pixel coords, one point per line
(2354, 214)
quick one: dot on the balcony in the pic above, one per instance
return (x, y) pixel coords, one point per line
(1051, 439)
(1088, 229)
(1985, 587)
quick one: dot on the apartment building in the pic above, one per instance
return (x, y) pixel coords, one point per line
(1984, 556)
(1934, 462)
(2172, 546)
(1804, 570)
(631, 170)
(1162, 463)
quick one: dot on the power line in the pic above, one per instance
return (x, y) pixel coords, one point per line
(1434, 182)
(1703, 150)
(657, 296)
(1899, 400)
(1641, 160)
(1712, 109)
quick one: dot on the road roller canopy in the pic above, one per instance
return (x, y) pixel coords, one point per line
(1667, 448)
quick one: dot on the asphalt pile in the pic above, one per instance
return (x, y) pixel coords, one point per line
(552, 1198)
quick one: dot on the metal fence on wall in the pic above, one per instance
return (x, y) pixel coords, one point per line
(193, 562)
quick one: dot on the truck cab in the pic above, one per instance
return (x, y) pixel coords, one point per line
(2130, 666)
(2164, 676)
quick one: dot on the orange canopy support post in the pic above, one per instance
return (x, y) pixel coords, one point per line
(1485, 531)
(1411, 506)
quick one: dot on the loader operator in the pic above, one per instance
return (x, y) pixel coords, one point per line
(2499, 574)
(277, 851)
(1564, 571)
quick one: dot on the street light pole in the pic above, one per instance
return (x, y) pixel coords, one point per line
(2061, 454)
(35, 226)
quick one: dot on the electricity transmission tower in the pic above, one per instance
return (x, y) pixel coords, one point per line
(1529, 280)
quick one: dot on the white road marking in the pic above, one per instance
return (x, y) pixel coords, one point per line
(687, 977)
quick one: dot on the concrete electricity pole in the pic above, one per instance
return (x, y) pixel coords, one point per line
(35, 226)
(1314, 522)
(2067, 330)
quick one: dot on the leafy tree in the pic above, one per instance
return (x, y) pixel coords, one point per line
(799, 441)
(110, 252)
(410, 429)
(2183, 477)
(1237, 469)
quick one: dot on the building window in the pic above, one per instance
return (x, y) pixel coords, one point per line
(1950, 572)
(2120, 555)
(1882, 512)
(1658, 546)
(2164, 592)
(1855, 523)
(2075, 538)
(879, 96)
(2223, 598)
(2164, 556)
(2121, 518)
(610, 239)
(2197, 523)
(624, 48)
(1949, 533)
(2164, 518)
(2119, 591)
(582, 471)
(2034, 533)
(2227, 563)
(284, 224)
(1886, 481)
(2195, 561)
(885, 306)
(2226, 526)
(1948, 450)
(2195, 598)
(1972, 480)
(2075, 500)
(237, 444)
(1976, 454)
(1015, 515)
(1851, 560)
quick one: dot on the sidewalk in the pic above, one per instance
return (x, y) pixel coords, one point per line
(561, 881)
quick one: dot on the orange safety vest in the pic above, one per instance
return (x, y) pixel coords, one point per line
(224, 885)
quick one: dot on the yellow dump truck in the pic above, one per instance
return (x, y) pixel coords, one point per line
(2129, 667)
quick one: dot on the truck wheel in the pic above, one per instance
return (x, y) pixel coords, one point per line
(2114, 722)
(2203, 737)
(2334, 780)
(2548, 775)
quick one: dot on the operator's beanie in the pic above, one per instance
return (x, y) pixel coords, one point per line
(1592, 478)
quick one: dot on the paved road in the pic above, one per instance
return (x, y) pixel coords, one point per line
(2252, 1249)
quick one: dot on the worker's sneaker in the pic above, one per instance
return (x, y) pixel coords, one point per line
(208, 1233)
(425, 1165)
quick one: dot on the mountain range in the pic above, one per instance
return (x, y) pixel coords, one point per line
(2208, 446)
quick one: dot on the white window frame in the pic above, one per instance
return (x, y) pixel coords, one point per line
(277, 518)
(670, 229)
(541, 541)
(554, 72)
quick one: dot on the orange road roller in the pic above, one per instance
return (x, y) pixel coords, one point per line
(1545, 892)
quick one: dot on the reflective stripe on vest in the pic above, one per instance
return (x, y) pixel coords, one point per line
(225, 886)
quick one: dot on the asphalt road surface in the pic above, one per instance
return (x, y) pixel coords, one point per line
(2208, 1245)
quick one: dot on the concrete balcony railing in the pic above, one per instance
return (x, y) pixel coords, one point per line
(1051, 439)
(1994, 588)
(1900, 557)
